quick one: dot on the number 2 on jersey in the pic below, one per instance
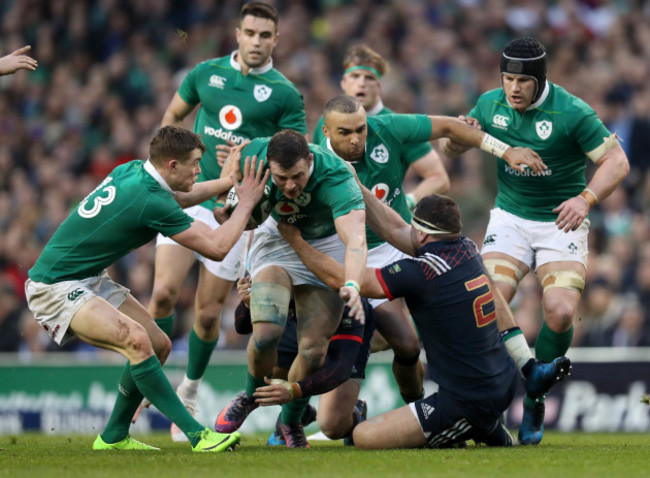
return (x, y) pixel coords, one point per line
(98, 201)
(482, 300)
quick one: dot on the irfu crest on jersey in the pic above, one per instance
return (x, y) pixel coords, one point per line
(262, 92)
(379, 154)
(544, 129)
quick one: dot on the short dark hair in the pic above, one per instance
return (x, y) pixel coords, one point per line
(342, 104)
(286, 148)
(173, 142)
(260, 10)
(439, 213)
(362, 54)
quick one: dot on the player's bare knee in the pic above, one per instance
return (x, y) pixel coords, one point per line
(133, 338)
(266, 339)
(334, 427)
(162, 346)
(405, 346)
(208, 321)
(163, 299)
(312, 352)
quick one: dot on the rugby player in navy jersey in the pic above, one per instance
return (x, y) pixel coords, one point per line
(449, 295)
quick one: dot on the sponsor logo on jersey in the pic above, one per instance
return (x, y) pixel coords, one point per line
(225, 135)
(427, 410)
(217, 81)
(379, 154)
(544, 129)
(230, 117)
(72, 296)
(262, 92)
(527, 173)
(381, 191)
(573, 249)
(500, 121)
(490, 239)
(284, 208)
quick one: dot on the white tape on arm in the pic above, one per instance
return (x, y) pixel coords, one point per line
(491, 145)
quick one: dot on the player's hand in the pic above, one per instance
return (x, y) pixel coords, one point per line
(571, 213)
(473, 122)
(353, 301)
(251, 189)
(277, 392)
(290, 233)
(229, 158)
(521, 158)
(244, 290)
(222, 213)
(16, 60)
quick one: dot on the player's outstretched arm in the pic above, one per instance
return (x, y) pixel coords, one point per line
(387, 223)
(215, 244)
(17, 60)
(460, 132)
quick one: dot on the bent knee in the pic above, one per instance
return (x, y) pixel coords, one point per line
(334, 428)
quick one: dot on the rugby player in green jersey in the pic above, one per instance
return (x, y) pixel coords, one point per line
(363, 69)
(540, 221)
(241, 97)
(71, 294)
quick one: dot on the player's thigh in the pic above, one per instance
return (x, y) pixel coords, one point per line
(395, 429)
(137, 312)
(211, 293)
(336, 406)
(506, 272)
(100, 324)
(393, 320)
(172, 264)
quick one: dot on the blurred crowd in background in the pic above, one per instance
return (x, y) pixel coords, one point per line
(108, 69)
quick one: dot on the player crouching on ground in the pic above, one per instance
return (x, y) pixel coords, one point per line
(71, 294)
(449, 295)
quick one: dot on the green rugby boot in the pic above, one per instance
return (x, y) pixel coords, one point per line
(127, 443)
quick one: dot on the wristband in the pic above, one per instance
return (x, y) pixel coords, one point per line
(220, 204)
(354, 284)
(410, 201)
(589, 196)
(491, 145)
(292, 387)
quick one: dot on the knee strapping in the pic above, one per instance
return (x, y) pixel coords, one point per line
(269, 303)
(569, 279)
(501, 270)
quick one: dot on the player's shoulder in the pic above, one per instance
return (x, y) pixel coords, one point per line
(491, 96)
(256, 146)
(211, 63)
(567, 102)
(274, 77)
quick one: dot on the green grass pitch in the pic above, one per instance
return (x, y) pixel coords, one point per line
(559, 455)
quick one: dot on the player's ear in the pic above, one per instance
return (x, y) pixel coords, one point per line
(172, 164)
(326, 131)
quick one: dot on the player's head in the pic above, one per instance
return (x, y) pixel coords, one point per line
(435, 217)
(346, 126)
(175, 152)
(257, 33)
(524, 58)
(363, 68)
(290, 162)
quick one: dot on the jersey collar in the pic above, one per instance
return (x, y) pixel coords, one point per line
(374, 111)
(254, 71)
(151, 169)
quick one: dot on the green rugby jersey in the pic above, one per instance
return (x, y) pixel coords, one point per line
(561, 128)
(331, 192)
(382, 168)
(239, 107)
(124, 212)
(410, 152)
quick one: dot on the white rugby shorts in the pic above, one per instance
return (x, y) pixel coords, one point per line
(534, 242)
(268, 248)
(54, 305)
(232, 266)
